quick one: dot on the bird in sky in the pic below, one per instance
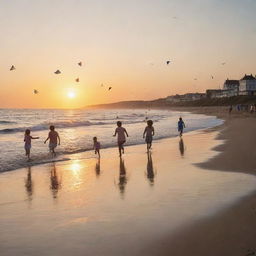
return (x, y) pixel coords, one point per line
(12, 68)
(109, 88)
(36, 91)
(80, 63)
(102, 85)
(223, 63)
(57, 72)
(77, 80)
(195, 78)
(168, 62)
(212, 77)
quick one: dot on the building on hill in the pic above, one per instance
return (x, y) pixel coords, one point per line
(231, 87)
(247, 85)
(185, 97)
(213, 93)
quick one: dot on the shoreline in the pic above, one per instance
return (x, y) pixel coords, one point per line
(229, 230)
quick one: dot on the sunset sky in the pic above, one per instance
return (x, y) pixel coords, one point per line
(122, 44)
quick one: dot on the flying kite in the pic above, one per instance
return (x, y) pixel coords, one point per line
(80, 63)
(12, 68)
(57, 72)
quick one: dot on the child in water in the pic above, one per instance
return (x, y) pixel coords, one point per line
(96, 146)
(27, 140)
(150, 132)
(121, 132)
(181, 126)
(54, 138)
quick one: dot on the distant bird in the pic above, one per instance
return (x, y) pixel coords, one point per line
(80, 63)
(102, 85)
(174, 17)
(36, 91)
(212, 77)
(168, 62)
(109, 88)
(12, 68)
(57, 72)
(223, 63)
(195, 78)
(77, 80)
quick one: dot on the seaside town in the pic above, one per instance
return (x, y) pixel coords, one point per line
(246, 86)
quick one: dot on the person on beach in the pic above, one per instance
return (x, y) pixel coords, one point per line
(54, 138)
(120, 132)
(96, 146)
(230, 109)
(181, 126)
(27, 140)
(149, 132)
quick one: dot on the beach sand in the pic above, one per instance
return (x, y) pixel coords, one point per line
(189, 197)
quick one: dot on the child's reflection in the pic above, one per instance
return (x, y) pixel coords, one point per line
(181, 147)
(122, 176)
(29, 184)
(55, 181)
(150, 169)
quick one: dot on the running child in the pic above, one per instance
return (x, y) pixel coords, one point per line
(96, 146)
(27, 140)
(121, 132)
(181, 126)
(54, 138)
(149, 132)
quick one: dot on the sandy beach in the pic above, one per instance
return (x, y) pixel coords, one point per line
(193, 196)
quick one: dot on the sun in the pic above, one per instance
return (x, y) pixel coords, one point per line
(71, 94)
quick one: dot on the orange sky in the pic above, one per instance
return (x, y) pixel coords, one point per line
(123, 45)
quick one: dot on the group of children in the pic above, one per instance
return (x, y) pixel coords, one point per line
(54, 138)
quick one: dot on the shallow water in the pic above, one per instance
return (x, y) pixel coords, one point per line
(115, 206)
(78, 127)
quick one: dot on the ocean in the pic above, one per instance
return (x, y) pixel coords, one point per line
(77, 128)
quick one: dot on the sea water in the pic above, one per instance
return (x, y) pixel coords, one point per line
(77, 128)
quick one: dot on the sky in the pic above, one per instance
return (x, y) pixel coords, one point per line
(122, 44)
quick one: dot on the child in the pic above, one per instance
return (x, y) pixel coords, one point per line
(27, 140)
(120, 131)
(181, 126)
(54, 138)
(150, 132)
(96, 146)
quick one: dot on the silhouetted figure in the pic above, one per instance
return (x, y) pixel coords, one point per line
(149, 132)
(181, 147)
(121, 139)
(97, 168)
(54, 138)
(150, 169)
(122, 177)
(230, 109)
(29, 184)
(55, 181)
(96, 146)
(181, 126)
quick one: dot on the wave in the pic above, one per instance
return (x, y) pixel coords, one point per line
(63, 124)
(6, 122)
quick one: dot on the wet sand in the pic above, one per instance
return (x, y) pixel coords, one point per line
(158, 204)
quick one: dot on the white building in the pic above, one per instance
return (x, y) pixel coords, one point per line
(247, 85)
(231, 88)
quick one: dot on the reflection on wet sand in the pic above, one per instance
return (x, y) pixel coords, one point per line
(181, 147)
(150, 169)
(122, 177)
(97, 167)
(55, 181)
(29, 184)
